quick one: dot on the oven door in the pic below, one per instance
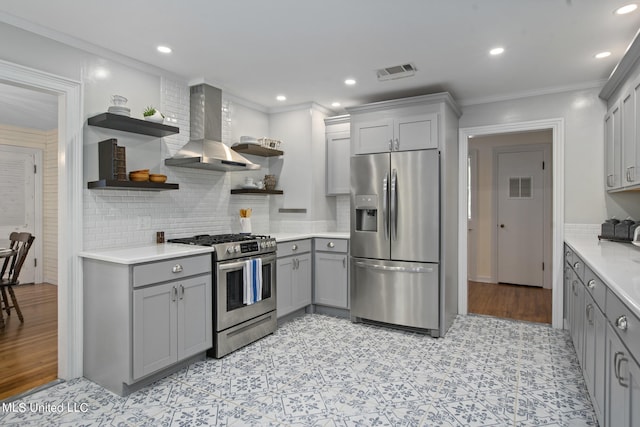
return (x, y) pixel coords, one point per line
(230, 308)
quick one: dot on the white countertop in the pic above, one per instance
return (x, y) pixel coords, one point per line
(287, 237)
(146, 253)
(617, 264)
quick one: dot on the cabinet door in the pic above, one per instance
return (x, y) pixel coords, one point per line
(577, 317)
(372, 137)
(302, 281)
(416, 132)
(195, 319)
(622, 405)
(593, 366)
(155, 314)
(628, 138)
(338, 162)
(331, 280)
(612, 141)
(284, 293)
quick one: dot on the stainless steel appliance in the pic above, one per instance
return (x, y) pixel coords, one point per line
(235, 323)
(395, 239)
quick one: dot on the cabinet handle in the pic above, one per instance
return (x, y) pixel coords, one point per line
(618, 359)
(621, 323)
(174, 294)
(576, 265)
(331, 245)
(627, 175)
(390, 142)
(397, 144)
(632, 173)
(589, 312)
(294, 247)
(177, 268)
(591, 284)
(344, 262)
(181, 291)
(567, 254)
(609, 181)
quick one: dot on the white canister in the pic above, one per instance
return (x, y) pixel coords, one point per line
(245, 225)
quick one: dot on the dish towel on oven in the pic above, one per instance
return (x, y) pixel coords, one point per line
(252, 286)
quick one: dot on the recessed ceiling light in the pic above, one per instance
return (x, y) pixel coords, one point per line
(335, 104)
(626, 9)
(164, 49)
(496, 51)
(281, 98)
(350, 82)
(602, 55)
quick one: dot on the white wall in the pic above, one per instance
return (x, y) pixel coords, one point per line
(583, 112)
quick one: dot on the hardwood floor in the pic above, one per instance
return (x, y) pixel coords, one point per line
(510, 301)
(29, 350)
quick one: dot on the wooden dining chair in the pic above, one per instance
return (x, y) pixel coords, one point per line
(10, 274)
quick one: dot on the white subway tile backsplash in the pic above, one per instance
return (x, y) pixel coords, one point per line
(582, 229)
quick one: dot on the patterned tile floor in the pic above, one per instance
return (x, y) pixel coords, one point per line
(324, 371)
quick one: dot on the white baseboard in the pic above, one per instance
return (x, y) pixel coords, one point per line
(482, 279)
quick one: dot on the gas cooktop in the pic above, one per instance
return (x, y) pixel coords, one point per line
(230, 246)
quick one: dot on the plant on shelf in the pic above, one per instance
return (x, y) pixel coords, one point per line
(153, 115)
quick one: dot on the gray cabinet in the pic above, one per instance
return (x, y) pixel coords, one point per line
(331, 284)
(612, 147)
(622, 406)
(142, 320)
(171, 322)
(593, 363)
(400, 131)
(294, 276)
(338, 140)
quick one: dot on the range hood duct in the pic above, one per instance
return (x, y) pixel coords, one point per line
(205, 149)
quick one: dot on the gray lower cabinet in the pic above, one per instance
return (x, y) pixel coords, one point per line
(331, 281)
(294, 276)
(141, 321)
(593, 361)
(623, 384)
(181, 311)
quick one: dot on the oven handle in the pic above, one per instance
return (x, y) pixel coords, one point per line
(238, 264)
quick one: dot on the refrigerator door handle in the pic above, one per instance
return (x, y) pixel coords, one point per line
(385, 206)
(394, 205)
(393, 268)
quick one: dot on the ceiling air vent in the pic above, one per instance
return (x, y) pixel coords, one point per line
(396, 72)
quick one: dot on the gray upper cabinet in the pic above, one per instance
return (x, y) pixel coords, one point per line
(612, 147)
(401, 131)
(338, 140)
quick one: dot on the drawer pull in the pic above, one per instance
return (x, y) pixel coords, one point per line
(294, 247)
(621, 322)
(177, 268)
(591, 284)
(576, 265)
(331, 245)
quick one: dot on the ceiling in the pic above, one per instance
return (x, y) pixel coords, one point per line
(257, 49)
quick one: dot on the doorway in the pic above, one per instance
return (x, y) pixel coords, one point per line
(69, 184)
(556, 129)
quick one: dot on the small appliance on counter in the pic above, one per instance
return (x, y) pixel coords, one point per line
(619, 231)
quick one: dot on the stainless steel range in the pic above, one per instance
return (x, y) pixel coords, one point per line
(244, 295)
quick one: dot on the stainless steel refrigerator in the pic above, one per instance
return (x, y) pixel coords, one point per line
(395, 238)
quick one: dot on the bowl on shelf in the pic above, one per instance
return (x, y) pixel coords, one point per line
(156, 177)
(139, 175)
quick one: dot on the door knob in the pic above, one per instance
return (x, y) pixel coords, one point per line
(501, 225)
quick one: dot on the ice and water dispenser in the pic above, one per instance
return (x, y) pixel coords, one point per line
(366, 212)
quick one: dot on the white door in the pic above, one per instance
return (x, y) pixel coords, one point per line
(520, 214)
(472, 212)
(18, 199)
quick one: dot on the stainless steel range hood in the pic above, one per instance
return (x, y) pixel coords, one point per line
(205, 149)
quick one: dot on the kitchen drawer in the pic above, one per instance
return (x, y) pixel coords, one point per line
(332, 245)
(596, 287)
(578, 266)
(171, 269)
(617, 313)
(568, 255)
(294, 247)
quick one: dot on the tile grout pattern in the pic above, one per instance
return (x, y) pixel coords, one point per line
(325, 371)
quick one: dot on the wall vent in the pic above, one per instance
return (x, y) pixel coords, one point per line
(396, 72)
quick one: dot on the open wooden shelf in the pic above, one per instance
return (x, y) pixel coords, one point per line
(255, 191)
(109, 184)
(257, 150)
(129, 124)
